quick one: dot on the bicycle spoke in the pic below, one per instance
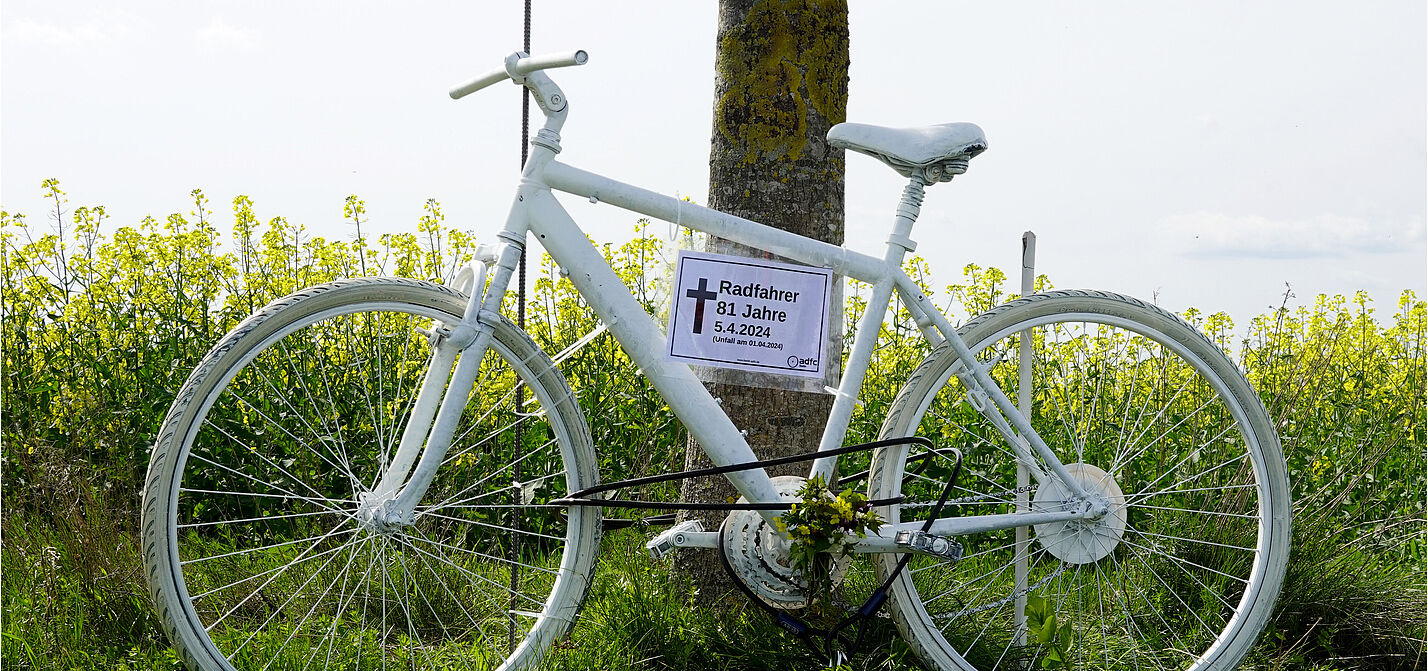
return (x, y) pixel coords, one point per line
(435, 615)
(479, 421)
(1181, 601)
(1153, 608)
(482, 555)
(1117, 462)
(1166, 492)
(277, 610)
(1200, 512)
(259, 519)
(317, 438)
(1180, 560)
(468, 572)
(402, 416)
(1216, 467)
(1120, 458)
(1130, 433)
(256, 576)
(452, 499)
(266, 460)
(1067, 424)
(371, 411)
(343, 601)
(1121, 599)
(315, 539)
(474, 624)
(495, 526)
(327, 435)
(406, 612)
(298, 627)
(286, 497)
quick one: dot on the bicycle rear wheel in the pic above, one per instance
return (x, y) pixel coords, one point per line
(256, 550)
(1148, 413)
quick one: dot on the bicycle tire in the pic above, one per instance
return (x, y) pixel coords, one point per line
(1188, 579)
(254, 554)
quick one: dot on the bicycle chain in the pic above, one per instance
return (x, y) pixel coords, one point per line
(970, 499)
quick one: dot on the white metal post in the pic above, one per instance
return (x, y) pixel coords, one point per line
(1023, 477)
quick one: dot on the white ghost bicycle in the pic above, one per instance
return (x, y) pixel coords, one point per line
(337, 484)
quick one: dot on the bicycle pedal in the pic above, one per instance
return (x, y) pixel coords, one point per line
(672, 538)
(925, 543)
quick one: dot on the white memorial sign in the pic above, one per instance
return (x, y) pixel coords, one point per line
(749, 314)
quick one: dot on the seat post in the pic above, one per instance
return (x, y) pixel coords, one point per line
(908, 208)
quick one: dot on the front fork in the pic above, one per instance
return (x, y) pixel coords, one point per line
(443, 394)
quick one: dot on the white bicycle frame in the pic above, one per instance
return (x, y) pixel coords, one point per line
(536, 211)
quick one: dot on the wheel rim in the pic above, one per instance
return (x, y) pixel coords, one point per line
(1191, 561)
(271, 559)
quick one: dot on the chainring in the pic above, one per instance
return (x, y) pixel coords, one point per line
(759, 554)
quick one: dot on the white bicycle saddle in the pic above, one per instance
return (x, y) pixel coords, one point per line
(910, 149)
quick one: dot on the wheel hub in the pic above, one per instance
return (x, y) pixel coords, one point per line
(375, 516)
(1089, 539)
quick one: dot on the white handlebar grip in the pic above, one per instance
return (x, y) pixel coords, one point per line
(523, 66)
(477, 84)
(532, 63)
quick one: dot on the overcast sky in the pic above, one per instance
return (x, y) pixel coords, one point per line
(1204, 153)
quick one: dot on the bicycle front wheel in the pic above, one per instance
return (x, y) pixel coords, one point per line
(258, 550)
(1145, 413)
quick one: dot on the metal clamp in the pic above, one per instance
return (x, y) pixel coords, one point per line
(487, 253)
(977, 397)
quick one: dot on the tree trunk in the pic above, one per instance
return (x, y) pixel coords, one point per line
(780, 82)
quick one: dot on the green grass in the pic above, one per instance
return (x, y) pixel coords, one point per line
(73, 599)
(73, 594)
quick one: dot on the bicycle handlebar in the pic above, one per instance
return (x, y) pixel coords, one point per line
(518, 65)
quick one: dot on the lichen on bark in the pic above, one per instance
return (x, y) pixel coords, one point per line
(784, 56)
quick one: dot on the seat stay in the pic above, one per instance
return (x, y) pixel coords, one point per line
(1007, 419)
(1001, 411)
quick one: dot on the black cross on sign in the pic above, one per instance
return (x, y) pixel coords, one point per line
(700, 295)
